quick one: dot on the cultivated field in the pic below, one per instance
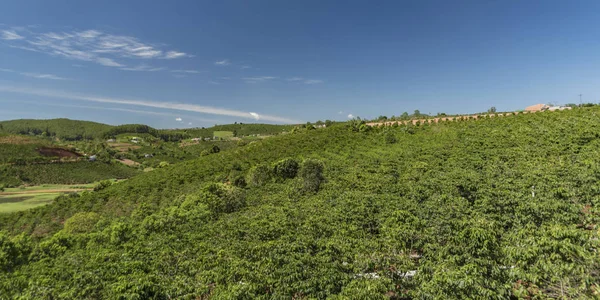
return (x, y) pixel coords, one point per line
(19, 199)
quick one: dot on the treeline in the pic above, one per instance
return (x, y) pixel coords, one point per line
(62, 173)
(64, 129)
(239, 129)
(74, 130)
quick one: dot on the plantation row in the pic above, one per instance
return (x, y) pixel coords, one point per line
(498, 208)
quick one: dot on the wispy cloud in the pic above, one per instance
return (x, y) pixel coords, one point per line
(179, 119)
(245, 67)
(213, 82)
(135, 111)
(9, 35)
(313, 81)
(175, 54)
(44, 76)
(147, 103)
(258, 79)
(89, 45)
(142, 68)
(224, 62)
(186, 71)
(35, 75)
(304, 80)
(350, 116)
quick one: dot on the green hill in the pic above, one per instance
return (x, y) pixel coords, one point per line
(63, 129)
(74, 130)
(494, 208)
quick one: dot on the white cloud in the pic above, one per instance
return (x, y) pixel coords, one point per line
(175, 54)
(350, 116)
(213, 82)
(35, 75)
(190, 123)
(147, 103)
(89, 45)
(313, 81)
(224, 62)
(295, 79)
(135, 111)
(258, 79)
(245, 67)
(186, 71)
(142, 68)
(340, 112)
(43, 76)
(178, 119)
(255, 115)
(108, 62)
(10, 35)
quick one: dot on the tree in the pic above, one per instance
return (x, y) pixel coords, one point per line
(286, 168)
(404, 116)
(492, 110)
(417, 113)
(311, 174)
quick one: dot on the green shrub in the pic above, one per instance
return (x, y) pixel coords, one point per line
(82, 222)
(221, 198)
(390, 138)
(311, 174)
(259, 175)
(102, 185)
(285, 169)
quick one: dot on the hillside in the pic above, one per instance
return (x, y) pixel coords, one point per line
(61, 128)
(488, 208)
(240, 129)
(75, 130)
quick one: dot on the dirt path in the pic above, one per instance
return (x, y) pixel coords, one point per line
(128, 162)
(44, 191)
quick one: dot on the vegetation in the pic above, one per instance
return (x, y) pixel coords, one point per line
(62, 173)
(479, 209)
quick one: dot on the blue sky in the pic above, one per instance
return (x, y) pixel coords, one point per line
(199, 63)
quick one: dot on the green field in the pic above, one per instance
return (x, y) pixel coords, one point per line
(223, 134)
(34, 196)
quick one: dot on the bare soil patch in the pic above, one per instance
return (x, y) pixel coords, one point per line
(57, 152)
(128, 162)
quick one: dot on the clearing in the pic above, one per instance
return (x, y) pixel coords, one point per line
(18, 199)
(223, 134)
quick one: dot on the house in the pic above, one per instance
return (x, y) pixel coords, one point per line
(93, 158)
(553, 108)
(148, 155)
(110, 140)
(537, 107)
(196, 139)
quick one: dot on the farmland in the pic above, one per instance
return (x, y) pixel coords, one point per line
(19, 199)
(501, 208)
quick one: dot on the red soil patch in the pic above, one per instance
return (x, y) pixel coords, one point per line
(57, 152)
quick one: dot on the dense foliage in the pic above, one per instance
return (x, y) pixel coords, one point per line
(62, 173)
(491, 208)
(63, 129)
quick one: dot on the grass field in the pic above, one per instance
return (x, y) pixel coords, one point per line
(14, 203)
(223, 134)
(19, 199)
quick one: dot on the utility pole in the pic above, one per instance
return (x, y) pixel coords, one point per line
(580, 99)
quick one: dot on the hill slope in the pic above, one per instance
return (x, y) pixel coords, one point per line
(479, 209)
(62, 128)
